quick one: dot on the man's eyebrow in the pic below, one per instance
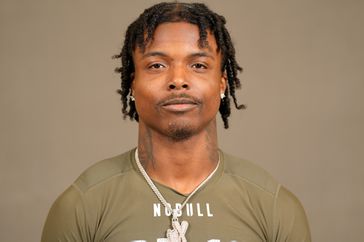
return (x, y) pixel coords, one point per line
(201, 54)
(192, 55)
(154, 53)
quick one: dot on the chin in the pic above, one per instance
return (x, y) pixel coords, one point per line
(180, 131)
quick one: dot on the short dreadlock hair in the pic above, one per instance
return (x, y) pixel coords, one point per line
(141, 31)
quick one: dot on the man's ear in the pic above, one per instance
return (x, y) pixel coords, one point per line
(223, 82)
(132, 83)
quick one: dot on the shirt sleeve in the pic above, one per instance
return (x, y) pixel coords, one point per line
(290, 221)
(66, 218)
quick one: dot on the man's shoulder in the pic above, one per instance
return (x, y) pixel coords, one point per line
(105, 170)
(249, 172)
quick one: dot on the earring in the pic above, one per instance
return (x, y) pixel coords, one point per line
(222, 95)
(132, 98)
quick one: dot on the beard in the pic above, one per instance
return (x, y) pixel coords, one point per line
(180, 131)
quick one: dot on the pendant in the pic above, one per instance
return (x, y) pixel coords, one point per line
(178, 231)
(177, 234)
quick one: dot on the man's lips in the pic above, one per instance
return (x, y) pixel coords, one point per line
(179, 104)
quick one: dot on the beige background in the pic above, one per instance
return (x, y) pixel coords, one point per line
(303, 84)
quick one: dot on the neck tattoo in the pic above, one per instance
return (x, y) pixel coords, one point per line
(178, 231)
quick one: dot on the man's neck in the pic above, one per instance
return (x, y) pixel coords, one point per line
(181, 165)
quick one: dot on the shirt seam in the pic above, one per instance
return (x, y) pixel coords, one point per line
(99, 183)
(275, 211)
(252, 183)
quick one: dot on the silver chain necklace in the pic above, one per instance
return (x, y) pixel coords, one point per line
(178, 231)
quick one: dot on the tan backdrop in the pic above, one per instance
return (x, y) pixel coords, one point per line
(303, 84)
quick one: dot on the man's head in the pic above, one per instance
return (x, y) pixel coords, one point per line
(212, 36)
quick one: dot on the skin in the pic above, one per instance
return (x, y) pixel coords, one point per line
(177, 88)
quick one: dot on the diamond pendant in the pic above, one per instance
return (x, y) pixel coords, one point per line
(177, 234)
(178, 231)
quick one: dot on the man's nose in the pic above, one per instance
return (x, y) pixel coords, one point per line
(178, 79)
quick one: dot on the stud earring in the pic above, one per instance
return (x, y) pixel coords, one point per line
(132, 98)
(222, 95)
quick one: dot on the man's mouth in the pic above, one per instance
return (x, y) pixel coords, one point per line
(179, 104)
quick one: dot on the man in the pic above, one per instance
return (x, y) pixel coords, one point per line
(178, 69)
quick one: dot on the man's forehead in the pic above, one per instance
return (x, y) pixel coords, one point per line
(180, 33)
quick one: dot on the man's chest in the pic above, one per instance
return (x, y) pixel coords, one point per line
(207, 221)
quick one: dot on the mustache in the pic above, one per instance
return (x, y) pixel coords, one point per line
(179, 98)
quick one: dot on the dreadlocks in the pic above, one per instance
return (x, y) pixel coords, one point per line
(141, 32)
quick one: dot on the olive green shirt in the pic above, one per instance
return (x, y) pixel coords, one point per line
(111, 201)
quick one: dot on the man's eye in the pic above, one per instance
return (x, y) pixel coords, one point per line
(156, 66)
(199, 66)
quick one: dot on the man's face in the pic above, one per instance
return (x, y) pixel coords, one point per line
(177, 84)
